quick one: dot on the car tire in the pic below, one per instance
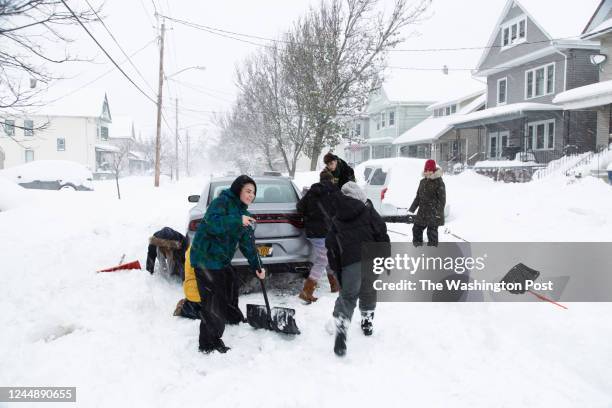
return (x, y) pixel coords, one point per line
(68, 187)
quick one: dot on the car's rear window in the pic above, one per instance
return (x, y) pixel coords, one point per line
(268, 191)
(378, 178)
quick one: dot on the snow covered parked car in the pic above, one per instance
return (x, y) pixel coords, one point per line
(391, 184)
(280, 236)
(50, 175)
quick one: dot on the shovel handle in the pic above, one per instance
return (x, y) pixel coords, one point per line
(261, 281)
(263, 289)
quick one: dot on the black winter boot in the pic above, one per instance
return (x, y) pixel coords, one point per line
(340, 343)
(367, 322)
(221, 347)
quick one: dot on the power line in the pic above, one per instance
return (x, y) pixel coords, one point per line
(105, 52)
(219, 31)
(119, 45)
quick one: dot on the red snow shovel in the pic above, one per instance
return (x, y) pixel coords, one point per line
(129, 265)
(520, 274)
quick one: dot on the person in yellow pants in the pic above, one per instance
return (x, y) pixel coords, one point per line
(189, 307)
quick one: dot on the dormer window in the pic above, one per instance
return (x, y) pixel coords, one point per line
(514, 33)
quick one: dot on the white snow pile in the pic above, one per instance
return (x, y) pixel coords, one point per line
(12, 195)
(113, 336)
(49, 170)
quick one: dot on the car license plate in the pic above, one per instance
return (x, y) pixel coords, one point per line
(264, 250)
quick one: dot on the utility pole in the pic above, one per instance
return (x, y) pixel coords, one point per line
(159, 105)
(176, 153)
(187, 155)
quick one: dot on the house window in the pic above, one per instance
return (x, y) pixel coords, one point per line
(28, 127)
(357, 129)
(61, 144)
(541, 135)
(540, 81)
(447, 111)
(514, 33)
(377, 125)
(502, 87)
(391, 118)
(497, 142)
(29, 155)
(9, 127)
(382, 120)
(453, 109)
(104, 133)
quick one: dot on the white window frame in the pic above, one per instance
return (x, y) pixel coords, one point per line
(107, 132)
(534, 86)
(26, 155)
(382, 120)
(498, 143)
(9, 131)
(505, 101)
(28, 131)
(534, 137)
(391, 115)
(357, 129)
(508, 26)
(63, 149)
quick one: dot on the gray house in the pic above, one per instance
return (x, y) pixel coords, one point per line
(596, 97)
(531, 56)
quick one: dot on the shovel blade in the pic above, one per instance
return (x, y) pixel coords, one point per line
(281, 319)
(520, 273)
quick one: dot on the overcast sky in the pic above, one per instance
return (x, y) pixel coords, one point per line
(452, 23)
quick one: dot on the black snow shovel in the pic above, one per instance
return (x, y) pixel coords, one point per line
(520, 274)
(279, 319)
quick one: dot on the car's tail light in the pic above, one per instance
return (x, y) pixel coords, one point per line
(193, 224)
(294, 219)
(382, 193)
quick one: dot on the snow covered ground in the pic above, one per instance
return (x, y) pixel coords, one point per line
(114, 337)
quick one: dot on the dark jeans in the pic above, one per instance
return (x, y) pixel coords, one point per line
(355, 286)
(432, 234)
(219, 293)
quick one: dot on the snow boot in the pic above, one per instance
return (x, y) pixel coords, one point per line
(367, 322)
(179, 308)
(340, 342)
(221, 347)
(307, 293)
(333, 283)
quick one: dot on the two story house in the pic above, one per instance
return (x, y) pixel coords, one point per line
(596, 97)
(531, 56)
(74, 126)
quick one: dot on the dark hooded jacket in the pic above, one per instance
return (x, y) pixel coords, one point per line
(343, 173)
(430, 200)
(318, 206)
(355, 223)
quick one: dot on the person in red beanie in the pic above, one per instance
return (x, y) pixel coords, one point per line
(430, 200)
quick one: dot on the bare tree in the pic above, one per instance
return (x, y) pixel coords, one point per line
(30, 32)
(338, 52)
(120, 161)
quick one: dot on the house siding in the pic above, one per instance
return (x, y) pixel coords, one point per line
(516, 81)
(580, 71)
(536, 39)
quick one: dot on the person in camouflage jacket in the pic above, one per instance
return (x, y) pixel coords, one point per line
(226, 225)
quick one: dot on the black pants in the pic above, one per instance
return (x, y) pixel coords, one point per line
(219, 293)
(432, 234)
(191, 310)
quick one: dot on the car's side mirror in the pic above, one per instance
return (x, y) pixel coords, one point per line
(193, 198)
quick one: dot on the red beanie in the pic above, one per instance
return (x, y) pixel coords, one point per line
(430, 165)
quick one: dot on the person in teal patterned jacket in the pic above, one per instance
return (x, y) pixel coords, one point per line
(226, 224)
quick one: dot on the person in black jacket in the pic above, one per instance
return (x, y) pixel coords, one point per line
(342, 172)
(430, 200)
(318, 207)
(356, 222)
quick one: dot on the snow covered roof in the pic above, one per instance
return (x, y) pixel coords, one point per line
(557, 19)
(379, 140)
(597, 94)
(458, 98)
(133, 154)
(428, 86)
(122, 127)
(84, 102)
(434, 127)
(505, 110)
(107, 148)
